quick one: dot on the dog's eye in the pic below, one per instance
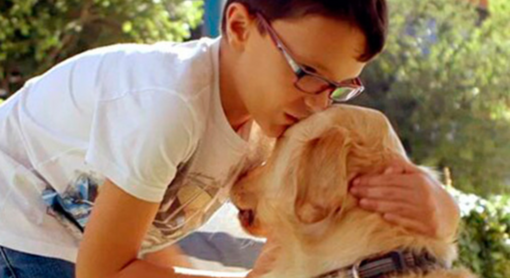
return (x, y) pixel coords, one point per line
(242, 175)
(338, 209)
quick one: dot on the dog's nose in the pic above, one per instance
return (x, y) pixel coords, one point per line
(247, 217)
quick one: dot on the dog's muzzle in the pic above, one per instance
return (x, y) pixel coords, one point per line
(246, 217)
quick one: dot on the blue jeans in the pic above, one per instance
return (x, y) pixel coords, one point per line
(14, 264)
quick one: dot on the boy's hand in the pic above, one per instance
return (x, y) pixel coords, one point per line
(409, 197)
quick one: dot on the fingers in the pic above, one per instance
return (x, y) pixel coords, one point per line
(403, 165)
(399, 208)
(387, 192)
(383, 180)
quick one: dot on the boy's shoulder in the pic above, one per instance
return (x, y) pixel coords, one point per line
(188, 48)
(185, 68)
(134, 55)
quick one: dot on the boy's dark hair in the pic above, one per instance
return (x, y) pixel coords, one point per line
(369, 16)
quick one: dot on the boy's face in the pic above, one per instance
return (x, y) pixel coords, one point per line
(264, 79)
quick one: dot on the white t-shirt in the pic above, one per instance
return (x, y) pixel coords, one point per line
(147, 117)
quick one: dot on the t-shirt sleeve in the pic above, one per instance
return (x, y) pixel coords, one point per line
(138, 140)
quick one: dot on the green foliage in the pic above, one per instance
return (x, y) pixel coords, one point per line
(484, 240)
(36, 34)
(443, 82)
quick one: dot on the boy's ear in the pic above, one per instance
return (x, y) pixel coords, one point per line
(238, 24)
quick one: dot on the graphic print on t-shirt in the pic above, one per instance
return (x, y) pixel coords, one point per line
(72, 208)
(190, 200)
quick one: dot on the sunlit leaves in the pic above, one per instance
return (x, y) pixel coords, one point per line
(36, 34)
(443, 81)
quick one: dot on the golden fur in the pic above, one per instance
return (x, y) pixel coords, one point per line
(301, 202)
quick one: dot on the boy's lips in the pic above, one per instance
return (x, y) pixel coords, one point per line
(291, 118)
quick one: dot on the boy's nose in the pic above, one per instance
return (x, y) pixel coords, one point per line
(317, 103)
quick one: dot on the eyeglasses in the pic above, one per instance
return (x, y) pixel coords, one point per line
(312, 83)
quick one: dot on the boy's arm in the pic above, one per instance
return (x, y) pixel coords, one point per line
(113, 237)
(169, 257)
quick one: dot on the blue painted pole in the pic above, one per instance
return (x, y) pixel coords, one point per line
(212, 17)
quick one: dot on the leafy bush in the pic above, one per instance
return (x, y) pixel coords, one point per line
(35, 35)
(484, 239)
(443, 82)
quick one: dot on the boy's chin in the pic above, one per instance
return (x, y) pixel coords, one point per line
(274, 131)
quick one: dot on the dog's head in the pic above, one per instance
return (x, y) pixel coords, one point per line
(305, 181)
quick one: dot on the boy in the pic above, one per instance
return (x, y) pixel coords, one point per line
(158, 134)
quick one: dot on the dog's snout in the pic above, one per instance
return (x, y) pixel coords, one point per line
(247, 217)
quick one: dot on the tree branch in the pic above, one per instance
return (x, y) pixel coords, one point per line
(68, 38)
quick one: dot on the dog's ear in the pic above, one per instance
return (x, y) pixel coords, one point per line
(322, 176)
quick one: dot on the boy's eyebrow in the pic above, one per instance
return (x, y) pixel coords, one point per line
(313, 69)
(318, 68)
(304, 62)
(315, 66)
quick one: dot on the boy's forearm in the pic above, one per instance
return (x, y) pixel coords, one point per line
(169, 257)
(141, 268)
(205, 273)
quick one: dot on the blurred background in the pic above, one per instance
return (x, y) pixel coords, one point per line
(443, 80)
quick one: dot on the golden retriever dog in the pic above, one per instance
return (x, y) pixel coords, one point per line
(299, 200)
